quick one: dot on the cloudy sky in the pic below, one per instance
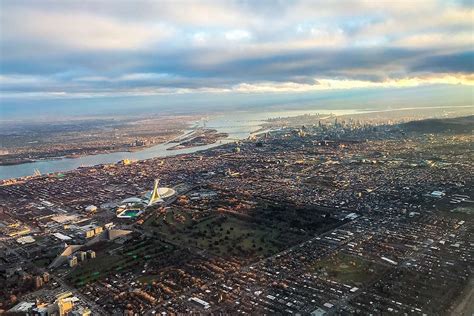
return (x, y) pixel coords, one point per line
(64, 49)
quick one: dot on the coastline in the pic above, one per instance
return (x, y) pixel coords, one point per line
(77, 155)
(89, 137)
(238, 125)
(198, 137)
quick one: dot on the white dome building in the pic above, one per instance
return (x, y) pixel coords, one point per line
(158, 194)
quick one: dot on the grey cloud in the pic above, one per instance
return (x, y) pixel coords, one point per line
(299, 67)
(277, 52)
(462, 62)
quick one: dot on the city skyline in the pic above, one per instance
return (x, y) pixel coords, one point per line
(100, 49)
(236, 157)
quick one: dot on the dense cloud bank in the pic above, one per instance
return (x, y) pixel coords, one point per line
(113, 48)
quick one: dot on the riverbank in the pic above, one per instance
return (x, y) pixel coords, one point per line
(200, 137)
(237, 125)
(30, 142)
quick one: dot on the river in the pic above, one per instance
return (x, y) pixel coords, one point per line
(238, 125)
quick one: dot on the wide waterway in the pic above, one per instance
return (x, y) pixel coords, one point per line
(238, 125)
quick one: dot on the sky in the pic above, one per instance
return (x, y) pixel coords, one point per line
(63, 50)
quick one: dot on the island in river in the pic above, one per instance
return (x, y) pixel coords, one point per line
(25, 142)
(199, 137)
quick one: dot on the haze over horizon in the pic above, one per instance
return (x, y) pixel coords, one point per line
(236, 157)
(100, 57)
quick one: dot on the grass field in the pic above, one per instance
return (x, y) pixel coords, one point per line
(461, 211)
(221, 235)
(132, 256)
(233, 236)
(348, 269)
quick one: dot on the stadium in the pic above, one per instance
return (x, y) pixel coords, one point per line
(134, 206)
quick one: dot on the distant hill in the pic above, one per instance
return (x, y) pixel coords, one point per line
(458, 125)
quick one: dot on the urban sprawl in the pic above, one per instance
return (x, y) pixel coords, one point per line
(331, 218)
